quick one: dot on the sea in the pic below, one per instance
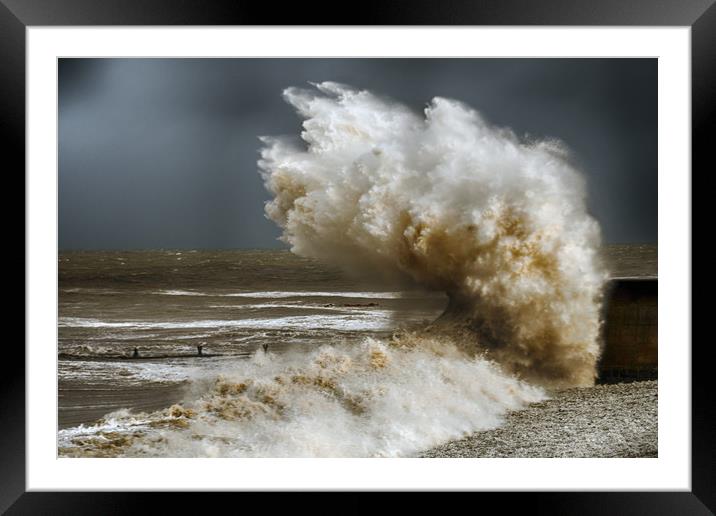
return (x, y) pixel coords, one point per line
(262, 353)
(136, 329)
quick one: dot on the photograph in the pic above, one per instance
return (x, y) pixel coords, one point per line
(357, 257)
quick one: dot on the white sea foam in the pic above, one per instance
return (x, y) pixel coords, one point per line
(287, 294)
(298, 306)
(366, 400)
(365, 320)
(125, 372)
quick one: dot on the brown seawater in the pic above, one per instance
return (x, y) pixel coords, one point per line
(166, 303)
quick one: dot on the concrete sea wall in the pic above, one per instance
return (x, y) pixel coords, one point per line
(630, 332)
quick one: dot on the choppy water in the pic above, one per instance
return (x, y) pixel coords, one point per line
(166, 303)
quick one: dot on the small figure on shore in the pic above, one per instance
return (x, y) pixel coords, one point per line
(135, 353)
(265, 346)
(199, 349)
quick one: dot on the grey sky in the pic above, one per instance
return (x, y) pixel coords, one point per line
(161, 153)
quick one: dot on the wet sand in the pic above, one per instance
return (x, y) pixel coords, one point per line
(617, 420)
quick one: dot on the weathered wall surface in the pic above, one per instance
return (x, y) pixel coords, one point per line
(630, 330)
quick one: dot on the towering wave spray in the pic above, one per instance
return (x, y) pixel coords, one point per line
(456, 204)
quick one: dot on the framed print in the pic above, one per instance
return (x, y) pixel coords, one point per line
(416, 253)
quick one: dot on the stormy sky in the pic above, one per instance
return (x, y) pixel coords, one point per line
(161, 153)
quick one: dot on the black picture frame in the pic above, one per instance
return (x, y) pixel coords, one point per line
(16, 15)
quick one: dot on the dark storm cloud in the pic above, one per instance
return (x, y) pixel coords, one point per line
(162, 152)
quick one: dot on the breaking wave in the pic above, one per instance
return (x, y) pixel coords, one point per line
(457, 205)
(375, 399)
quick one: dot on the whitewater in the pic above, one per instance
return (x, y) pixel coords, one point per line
(457, 205)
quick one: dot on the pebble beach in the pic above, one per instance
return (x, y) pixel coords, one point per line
(608, 420)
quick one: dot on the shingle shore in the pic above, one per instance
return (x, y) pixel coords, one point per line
(617, 420)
